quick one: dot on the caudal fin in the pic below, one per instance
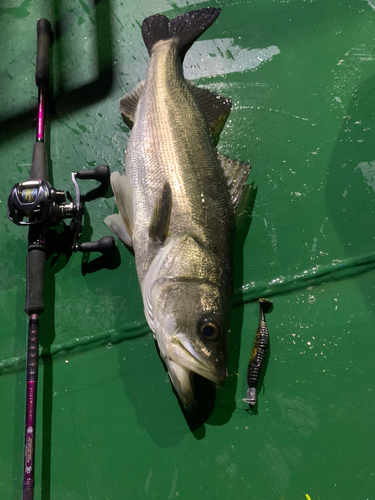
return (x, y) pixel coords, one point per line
(185, 28)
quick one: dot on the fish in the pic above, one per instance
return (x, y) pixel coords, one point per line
(177, 203)
(258, 354)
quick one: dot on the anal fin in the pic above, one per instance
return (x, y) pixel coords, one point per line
(129, 104)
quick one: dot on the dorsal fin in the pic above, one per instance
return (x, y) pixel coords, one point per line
(212, 104)
(218, 126)
(215, 107)
(129, 104)
(236, 174)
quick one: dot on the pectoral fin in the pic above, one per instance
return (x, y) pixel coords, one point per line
(158, 228)
(236, 174)
(129, 103)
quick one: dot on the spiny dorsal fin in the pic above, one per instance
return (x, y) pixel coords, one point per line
(129, 103)
(159, 224)
(236, 174)
(216, 108)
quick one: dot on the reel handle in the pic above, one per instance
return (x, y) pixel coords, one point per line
(100, 174)
(104, 245)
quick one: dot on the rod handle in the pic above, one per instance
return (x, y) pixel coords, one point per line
(39, 165)
(35, 262)
(44, 35)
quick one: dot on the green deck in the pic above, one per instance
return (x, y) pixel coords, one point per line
(109, 425)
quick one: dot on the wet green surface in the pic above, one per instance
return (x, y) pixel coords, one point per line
(302, 79)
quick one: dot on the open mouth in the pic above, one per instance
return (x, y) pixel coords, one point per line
(182, 352)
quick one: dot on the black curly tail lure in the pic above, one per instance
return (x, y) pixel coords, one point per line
(258, 354)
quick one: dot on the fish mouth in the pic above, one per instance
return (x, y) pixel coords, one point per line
(182, 352)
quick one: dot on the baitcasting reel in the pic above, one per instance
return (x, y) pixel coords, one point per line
(36, 202)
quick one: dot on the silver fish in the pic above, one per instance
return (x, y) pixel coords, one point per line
(177, 203)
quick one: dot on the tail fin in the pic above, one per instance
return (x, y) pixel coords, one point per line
(185, 28)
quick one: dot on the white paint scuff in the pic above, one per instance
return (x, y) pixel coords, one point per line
(209, 58)
(222, 56)
(368, 170)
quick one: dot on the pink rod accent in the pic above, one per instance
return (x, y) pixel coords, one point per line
(28, 471)
(40, 132)
(30, 417)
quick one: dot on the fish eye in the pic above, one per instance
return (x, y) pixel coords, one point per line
(209, 330)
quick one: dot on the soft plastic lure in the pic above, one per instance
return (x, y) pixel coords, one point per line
(258, 354)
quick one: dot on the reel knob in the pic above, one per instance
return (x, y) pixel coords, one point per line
(104, 245)
(100, 174)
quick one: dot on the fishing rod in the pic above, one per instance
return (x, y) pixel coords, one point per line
(37, 204)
